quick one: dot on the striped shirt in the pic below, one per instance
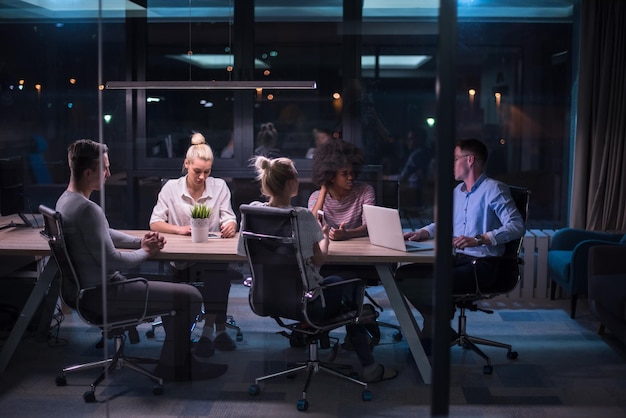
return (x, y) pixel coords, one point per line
(349, 210)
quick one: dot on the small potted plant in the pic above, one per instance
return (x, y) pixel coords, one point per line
(200, 222)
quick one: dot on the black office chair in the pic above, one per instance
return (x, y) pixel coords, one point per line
(280, 289)
(508, 278)
(114, 326)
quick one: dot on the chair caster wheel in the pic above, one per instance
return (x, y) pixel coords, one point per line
(61, 381)
(239, 337)
(488, 369)
(511, 355)
(397, 336)
(89, 396)
(366, 395)
(302, 405)
(254, 390)
(157, 390)
(150, 333)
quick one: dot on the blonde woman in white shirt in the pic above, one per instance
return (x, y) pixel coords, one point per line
(172, 214)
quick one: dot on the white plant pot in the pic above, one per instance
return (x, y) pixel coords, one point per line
(199, 229)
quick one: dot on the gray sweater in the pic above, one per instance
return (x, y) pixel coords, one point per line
(91, 243)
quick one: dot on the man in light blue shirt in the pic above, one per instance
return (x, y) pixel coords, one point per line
(485, 218)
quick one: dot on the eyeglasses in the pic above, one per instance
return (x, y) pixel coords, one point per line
(458, 157)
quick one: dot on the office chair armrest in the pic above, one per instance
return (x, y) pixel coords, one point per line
(95, 316)
(345, 283)
(343, 318)
(505, 265)
(359, 286)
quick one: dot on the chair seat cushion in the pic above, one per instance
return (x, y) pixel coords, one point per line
(559, 265)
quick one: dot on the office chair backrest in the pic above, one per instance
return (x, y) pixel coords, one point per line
(521, 197)
(278, 279)
(72, 293)
(509, 263)
(53, 232)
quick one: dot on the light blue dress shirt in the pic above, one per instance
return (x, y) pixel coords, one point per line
(487, 208)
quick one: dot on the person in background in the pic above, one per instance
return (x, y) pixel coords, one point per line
(336, 165)
(89, 238)
(279, 182)
(229, 150)
(172, 214)
(416, 165)
(266, 141)
(321, 137)
(484, 219)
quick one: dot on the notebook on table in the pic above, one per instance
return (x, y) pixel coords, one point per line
(385, 230)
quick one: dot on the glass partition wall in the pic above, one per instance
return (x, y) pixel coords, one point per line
(375, 69)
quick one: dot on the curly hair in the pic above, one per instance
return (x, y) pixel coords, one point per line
(332, 157)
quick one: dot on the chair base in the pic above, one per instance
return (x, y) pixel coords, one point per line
(116, 362)
(312, 366)
(470, 342)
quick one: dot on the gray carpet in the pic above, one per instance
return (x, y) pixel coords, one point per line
(564, 369)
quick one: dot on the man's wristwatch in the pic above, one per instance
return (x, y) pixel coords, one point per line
(479, 239)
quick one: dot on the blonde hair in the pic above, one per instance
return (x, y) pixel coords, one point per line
(273, 174)
(198, 149)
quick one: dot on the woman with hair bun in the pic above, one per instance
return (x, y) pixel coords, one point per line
(172, 214)
(279, 182)
(266, 141)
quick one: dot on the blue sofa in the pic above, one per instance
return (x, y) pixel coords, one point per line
(568, 259)
(607, 288)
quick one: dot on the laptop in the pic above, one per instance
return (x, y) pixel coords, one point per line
(385, 230)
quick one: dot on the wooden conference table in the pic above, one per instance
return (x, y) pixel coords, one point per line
(27, 241)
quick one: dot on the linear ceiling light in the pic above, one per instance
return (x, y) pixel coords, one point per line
(394, 62)
(210, 85)
(212, 61)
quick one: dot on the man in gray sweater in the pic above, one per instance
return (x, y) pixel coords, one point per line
(93, 247)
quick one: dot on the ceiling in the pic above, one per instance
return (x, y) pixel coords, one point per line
(285, 10)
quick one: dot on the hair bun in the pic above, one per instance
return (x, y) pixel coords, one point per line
(197, 138)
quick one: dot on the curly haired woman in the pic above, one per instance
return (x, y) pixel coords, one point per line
(336, 165)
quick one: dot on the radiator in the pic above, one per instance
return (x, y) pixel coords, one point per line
(534, 283)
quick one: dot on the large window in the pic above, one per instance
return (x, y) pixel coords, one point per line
(376, 86)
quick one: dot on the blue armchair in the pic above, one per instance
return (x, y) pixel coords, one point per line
(568, 259)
